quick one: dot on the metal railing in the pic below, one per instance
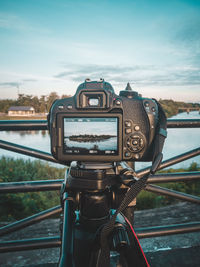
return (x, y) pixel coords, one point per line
(46, 185)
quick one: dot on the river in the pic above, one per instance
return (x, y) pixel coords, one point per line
(177, 142)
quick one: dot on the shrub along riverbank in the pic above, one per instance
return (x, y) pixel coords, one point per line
(148, 200)
(20, 205)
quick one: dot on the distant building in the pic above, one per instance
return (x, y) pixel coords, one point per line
(21, 111)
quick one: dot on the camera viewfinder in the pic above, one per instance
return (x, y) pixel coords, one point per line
(93, 102)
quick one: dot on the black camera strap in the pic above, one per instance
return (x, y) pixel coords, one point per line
(104, 256)
(161, 132)
(137, 186)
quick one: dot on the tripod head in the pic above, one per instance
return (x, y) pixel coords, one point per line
(96, 189)
(91, 176)
(99, 176)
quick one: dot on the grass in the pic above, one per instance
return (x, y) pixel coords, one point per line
(148, 200)
(20, 205)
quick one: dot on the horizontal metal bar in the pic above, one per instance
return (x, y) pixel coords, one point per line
(29, 244)
(30, 220)
(155, 231)
(173, 177)
(27, 151)
(184, 123)
(49, 242)
(172, 193)
(21, 125)
(50, 185)
(16, 125)
(31, 186)
(172, 161)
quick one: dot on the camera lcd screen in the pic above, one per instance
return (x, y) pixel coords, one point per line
(91, 136)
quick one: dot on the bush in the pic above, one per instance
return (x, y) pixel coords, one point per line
(147, 200)
(20, 205)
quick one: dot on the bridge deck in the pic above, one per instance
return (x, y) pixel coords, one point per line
(175, 250)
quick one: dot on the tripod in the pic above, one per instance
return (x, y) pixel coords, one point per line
(89, 195)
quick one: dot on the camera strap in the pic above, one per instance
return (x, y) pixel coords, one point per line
(137, 186)
(161, 132)
(104, 256)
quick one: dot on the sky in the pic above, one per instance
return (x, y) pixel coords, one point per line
(48, 45)
(93, 127)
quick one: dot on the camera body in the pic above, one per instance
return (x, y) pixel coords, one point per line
(98, 125)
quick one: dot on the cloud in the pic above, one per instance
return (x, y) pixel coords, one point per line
(16, 84)
(11, 84)
(92, 69)
(119, 73)
(29, 80)
(139, 75)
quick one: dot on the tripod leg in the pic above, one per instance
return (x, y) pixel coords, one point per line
(66, 257)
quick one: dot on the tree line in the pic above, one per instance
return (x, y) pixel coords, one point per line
(42, 104)
(171, 107)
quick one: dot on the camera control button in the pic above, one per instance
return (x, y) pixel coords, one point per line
(118, 102)
(69, 106)
(127, 154)
(137, 128)
(127, 123)
(137, 156)
(141, 142)
(128, 130)
(135, 142)
(60, 107)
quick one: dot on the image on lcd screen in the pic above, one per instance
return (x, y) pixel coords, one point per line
(91, 136)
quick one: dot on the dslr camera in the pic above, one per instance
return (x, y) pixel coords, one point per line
(98, 125)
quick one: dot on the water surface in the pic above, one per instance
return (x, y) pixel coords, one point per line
(178, 141)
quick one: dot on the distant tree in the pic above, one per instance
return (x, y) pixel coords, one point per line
(35, 103)
(51, 98)
(20, 99)
(29, 100)
(43, 104)
(24, 100)
(5, 104)
(65, 96)
(172, 107)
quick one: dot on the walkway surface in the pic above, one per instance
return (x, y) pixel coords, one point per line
(167, 251)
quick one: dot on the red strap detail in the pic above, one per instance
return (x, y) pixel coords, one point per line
(130, 225)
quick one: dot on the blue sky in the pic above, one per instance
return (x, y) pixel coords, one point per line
(48, 45)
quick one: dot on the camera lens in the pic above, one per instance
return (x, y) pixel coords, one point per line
(93, 101)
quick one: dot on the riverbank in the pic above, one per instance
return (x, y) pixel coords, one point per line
(4, 116)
